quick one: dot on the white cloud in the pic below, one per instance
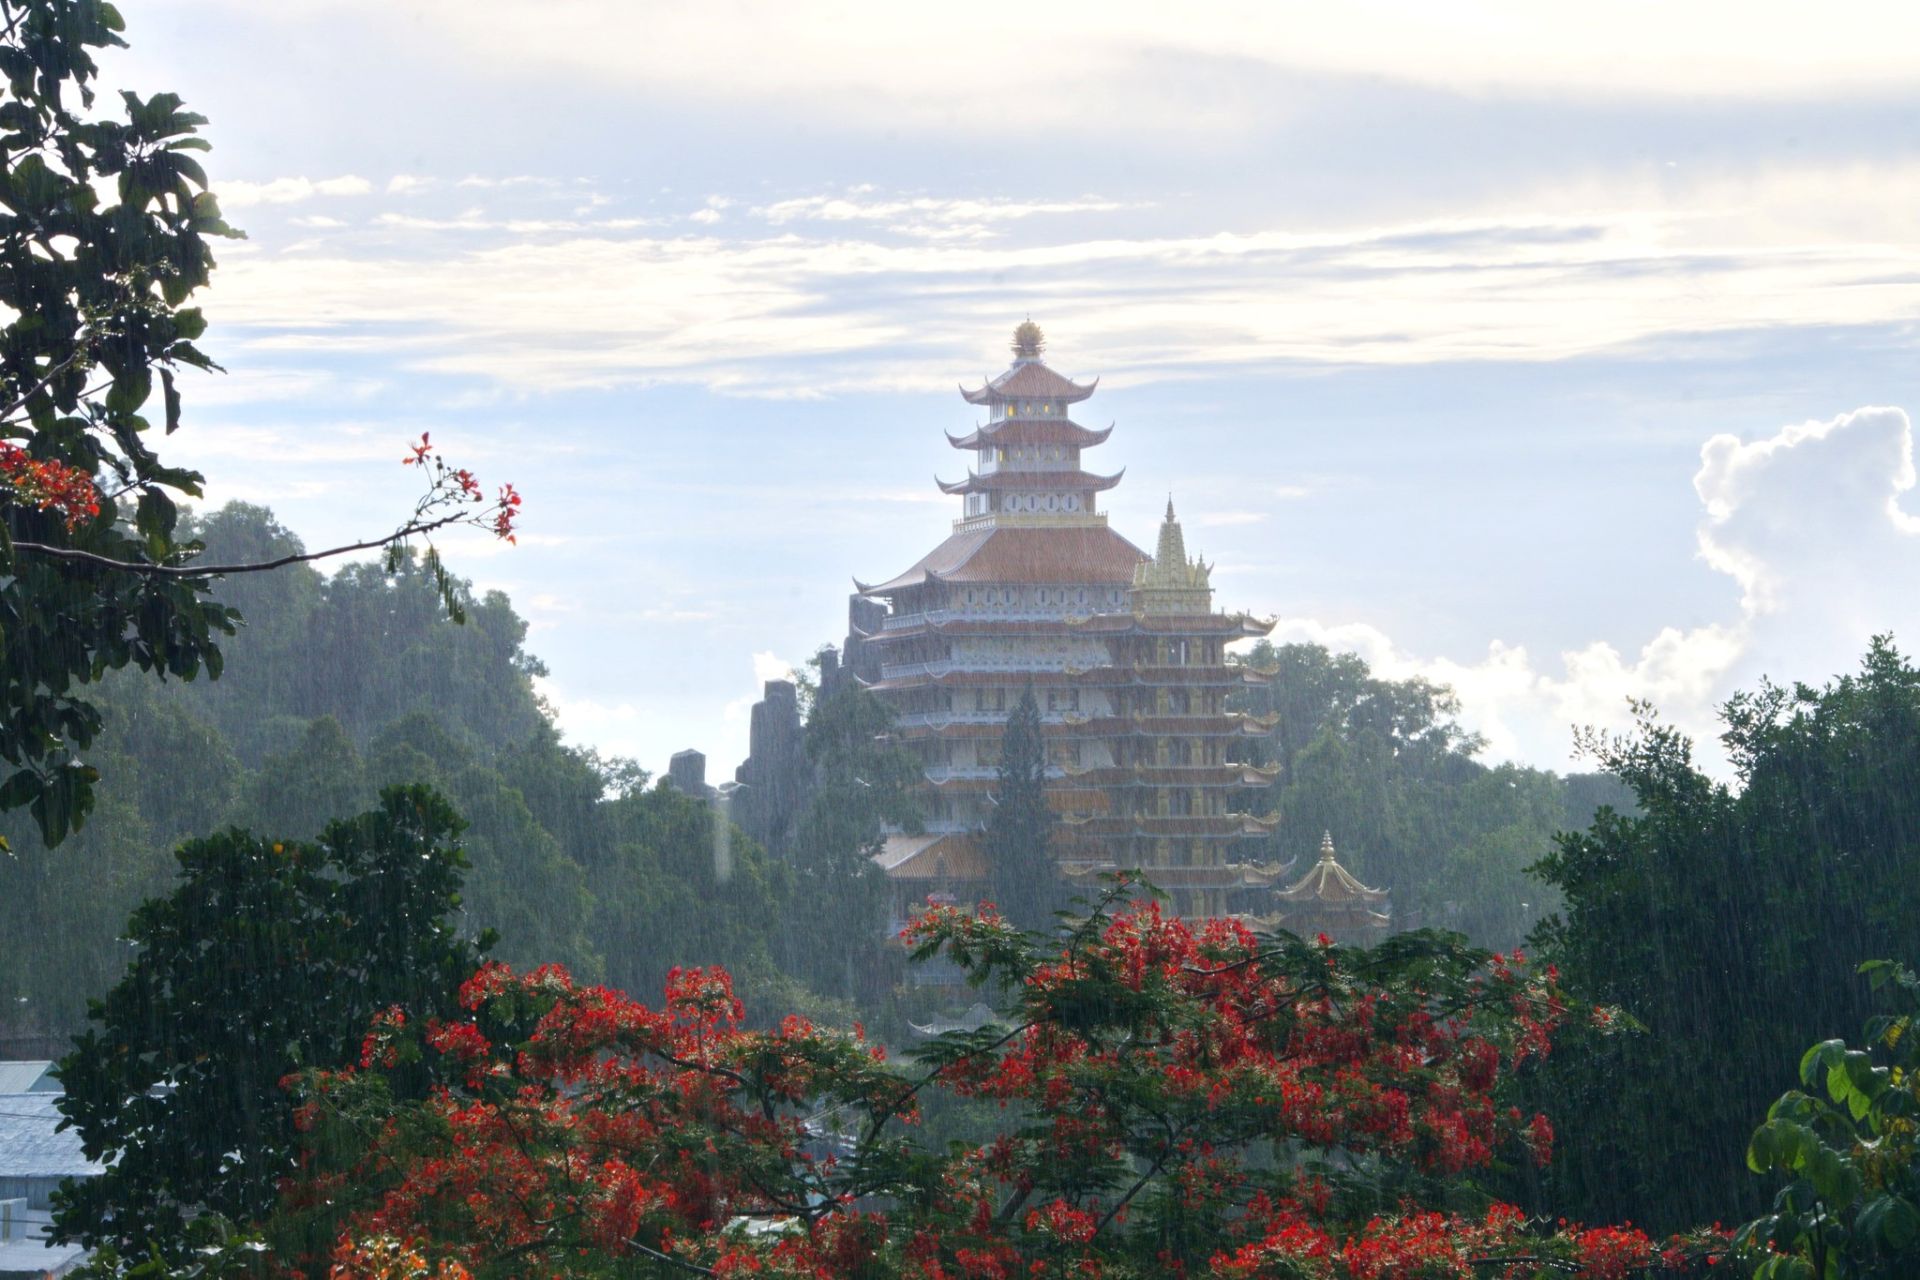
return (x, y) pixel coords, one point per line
(768, 665)
(1130, 66)
(406, 184)
(1809, 521)
(239, 194)
(543, 304)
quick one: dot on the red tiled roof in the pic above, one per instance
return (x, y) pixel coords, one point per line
(1030, 431)
(1030, 380)
(1031, 480)
(1090, 554)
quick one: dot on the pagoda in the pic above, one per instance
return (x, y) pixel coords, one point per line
(1124, 652)
(1329, 900)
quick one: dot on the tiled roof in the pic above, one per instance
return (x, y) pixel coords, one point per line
(1030, 380)
(1030, 431)
(1056, 480)
(1090, 554)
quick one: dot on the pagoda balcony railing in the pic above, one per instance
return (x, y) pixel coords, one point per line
(990, 613)
(940, 719)
(1013, 671)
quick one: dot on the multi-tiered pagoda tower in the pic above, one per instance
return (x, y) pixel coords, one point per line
(1123, 650)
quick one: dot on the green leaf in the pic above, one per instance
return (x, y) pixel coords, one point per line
(173, 400)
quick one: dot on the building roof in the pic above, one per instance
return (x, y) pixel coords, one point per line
(977, 483)
(1330, 883)
(1030, 431)
(931, 857)
(29, 1145)
(1081, 553)
(28, 1075)
(1030, 379)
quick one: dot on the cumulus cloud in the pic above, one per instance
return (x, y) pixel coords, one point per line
(240, 194)
(1812, 522)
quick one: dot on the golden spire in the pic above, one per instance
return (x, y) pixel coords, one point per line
(1028, 341)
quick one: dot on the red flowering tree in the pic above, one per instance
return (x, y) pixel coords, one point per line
(1175, 1102)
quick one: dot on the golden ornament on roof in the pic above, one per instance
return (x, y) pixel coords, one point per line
(1028, 341)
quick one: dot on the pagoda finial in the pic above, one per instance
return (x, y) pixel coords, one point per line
(1326, 846)
(1169, 506)
(1028, 341)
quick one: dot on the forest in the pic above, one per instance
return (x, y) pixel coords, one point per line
(355, 967)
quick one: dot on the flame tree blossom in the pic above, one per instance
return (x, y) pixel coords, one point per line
(1178, 1100)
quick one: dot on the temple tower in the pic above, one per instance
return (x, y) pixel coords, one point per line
(1124, 651)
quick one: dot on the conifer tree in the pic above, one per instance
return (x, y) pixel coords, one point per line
(1025, 883)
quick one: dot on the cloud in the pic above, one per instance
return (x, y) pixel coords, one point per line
(1222, 519)
(712, 213)
(770, 666)
(1132, 67)
(239, 194)
(406, 184)
(540, 304)
(1810, 521)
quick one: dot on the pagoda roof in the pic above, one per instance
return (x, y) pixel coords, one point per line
(1077, 554)
(977, 483)
(1329, 883)
(931, 857)
(1030, 380)
(1030, 431)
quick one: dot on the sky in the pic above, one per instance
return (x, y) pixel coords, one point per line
(1563, 358)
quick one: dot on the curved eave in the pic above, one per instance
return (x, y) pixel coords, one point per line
(1078, 481)
(1073, 393)
(1031, 431)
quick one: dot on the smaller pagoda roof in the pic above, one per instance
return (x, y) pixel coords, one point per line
(931, 857)
(976, 483)
(1030, 431)
(1327, 882)
(1030, 379)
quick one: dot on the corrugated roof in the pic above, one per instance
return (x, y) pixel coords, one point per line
(28, 1075)
(29, 1146)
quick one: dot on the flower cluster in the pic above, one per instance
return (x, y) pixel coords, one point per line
(1181, 1100)
(452, 490)
(49, 485)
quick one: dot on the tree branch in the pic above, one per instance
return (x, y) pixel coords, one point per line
(227, 570)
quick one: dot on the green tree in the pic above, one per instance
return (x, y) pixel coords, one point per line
(1019, 831)
(104, 237)
(1849, 1149)
(269, 956)
(862, 785)
(104, 231)
(1726, 921)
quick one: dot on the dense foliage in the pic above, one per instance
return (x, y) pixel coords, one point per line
(1178, 1102)
(342, 685)
(1018, 839)
(1849, 1149)
(268, 957)
(1728, 921)
(1385, 766)
(104, 231)
(835, 933)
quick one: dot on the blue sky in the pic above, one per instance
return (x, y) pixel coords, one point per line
(1565, 361)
